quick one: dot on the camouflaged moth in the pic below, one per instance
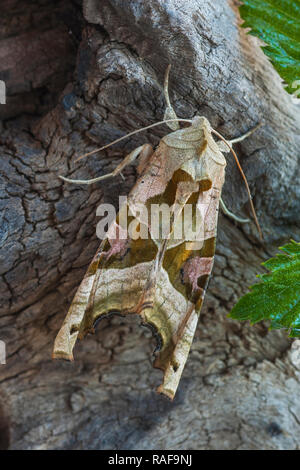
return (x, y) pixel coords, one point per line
(162, 279)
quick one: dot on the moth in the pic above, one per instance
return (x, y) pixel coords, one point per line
(163, 279)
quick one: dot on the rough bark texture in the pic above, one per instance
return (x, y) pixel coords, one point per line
(76, 81)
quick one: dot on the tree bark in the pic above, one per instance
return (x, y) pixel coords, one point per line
(76, 81)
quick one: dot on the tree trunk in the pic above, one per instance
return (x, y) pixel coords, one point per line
(76, 81)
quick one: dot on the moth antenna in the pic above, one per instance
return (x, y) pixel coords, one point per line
(132, 133)
(169, 111)
(166, 86)
(245, 180)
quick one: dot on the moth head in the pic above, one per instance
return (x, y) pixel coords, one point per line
(201, 122)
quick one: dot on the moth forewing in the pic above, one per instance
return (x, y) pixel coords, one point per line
(68, 334)
(193, 260)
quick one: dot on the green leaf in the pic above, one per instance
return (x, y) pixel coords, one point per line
(277, 23)
(277, 297)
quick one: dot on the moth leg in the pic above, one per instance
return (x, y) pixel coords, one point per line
(169, 112)
(144, 157)
(143, 150)
(244, 136)
(224, 147)
(231, 215)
